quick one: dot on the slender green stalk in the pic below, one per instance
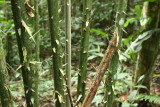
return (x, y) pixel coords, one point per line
(37, 52)
(110, 81)
(57, 52)
(5, 94)
(24, 44)
(26, 49)
(68, 47)
(84, 48)
(149, 51)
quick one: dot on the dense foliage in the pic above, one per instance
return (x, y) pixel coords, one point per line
(102, 18)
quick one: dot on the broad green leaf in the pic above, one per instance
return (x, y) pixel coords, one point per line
(141, 86)
(128, 21)
(125, 104)
(136, 45)
(3, 1)
(122, 75)
(126, 41)
(91, 57)
(140, 78)
(99, 32)
(121, 22)
(132, 96)
(144, 21)
(128, 82)
(138, 10)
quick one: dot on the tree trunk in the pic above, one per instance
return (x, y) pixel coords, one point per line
(57, 52)
(84, 48)
(149, 51)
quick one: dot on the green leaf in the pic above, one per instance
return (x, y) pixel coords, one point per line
(99, 32)
(91, 57)
(128, 21)
(138, 10)
(150, 98)
(132, 96)
(125, 104)
(144, 21)
(136, 45)
(122, 75)
(3, 1)
(121, 22)
(141, 86)
(128, 82)
(126, 41)
(140, 78)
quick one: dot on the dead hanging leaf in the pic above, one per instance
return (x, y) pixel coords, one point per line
(29, 9)
(28, 30)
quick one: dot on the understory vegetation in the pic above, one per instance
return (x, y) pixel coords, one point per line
(79, 53)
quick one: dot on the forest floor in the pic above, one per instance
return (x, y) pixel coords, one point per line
(46, 87)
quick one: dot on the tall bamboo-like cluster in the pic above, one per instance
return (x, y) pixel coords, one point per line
(22, 17)
(24, 47)
(113, 67)
(57, 52)
(37, 68)
(87, 4)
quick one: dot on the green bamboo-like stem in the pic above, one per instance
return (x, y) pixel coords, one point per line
(110, 81)
(68, 47)
(37, 52)
(24, 44)
(26, 49)
(84, 48)
(5, 94)
(57, 52)
(149, 51)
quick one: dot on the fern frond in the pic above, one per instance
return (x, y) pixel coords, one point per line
(150, 98)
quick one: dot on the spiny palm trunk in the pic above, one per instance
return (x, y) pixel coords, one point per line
(5, 94)
(37, 53)
(24, 44)
(57, 52)
(84, 48)
(110, 81)
(68, 47)
(149, 51)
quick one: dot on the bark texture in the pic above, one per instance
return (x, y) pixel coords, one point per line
(101, 70)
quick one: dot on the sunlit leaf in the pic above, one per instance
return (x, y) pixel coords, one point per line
(125, 104)
(140, 78)
(128, 21)
(99, 32)
(138, 10)
(141, 86)
(122, 75)
(132, 96)
(121, 22)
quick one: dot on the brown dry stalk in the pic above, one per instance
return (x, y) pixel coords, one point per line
(101, 69)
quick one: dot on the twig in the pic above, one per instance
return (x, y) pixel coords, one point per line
(101, 70)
